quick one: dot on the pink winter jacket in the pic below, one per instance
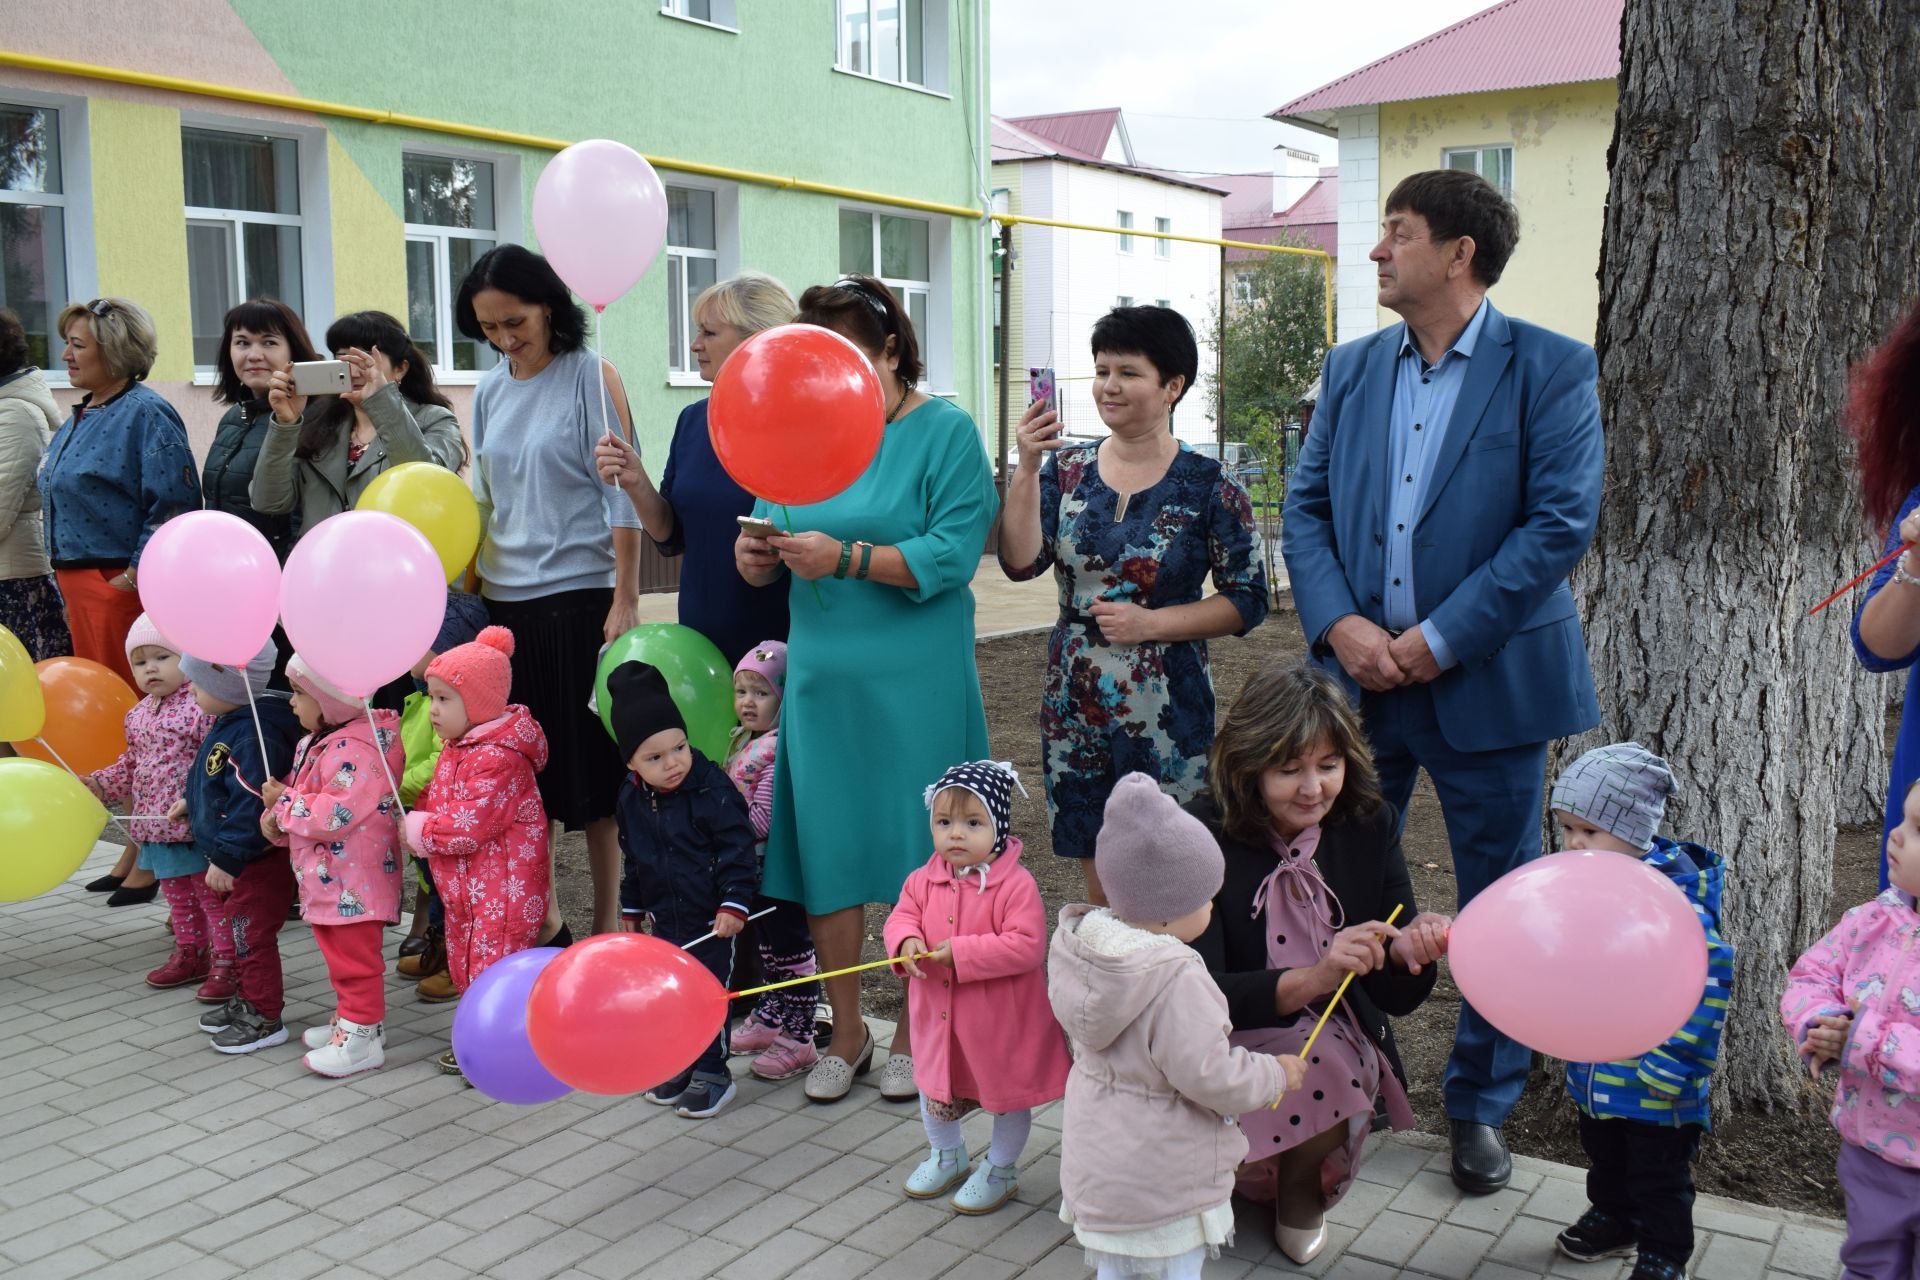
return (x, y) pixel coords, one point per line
(1150, 1134)
(163, 736)
(1870, 962)
(341, 823)
(981, 1029)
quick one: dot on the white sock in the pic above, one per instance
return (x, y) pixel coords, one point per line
(1185, 1266)
(943, 1134)
(1009, 1137)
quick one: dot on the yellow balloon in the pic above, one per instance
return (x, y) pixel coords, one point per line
(23, 708)
(436, 502)
(48, 826)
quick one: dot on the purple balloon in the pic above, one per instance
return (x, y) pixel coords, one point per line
(490, 1032)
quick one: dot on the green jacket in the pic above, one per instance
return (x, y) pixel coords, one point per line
(422, 746)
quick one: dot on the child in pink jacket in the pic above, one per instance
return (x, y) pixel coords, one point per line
(340, 820)
(1150, 1144)
(983, 1035)
(1854, 1000)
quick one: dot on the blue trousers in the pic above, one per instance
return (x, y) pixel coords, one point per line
(1491, 801)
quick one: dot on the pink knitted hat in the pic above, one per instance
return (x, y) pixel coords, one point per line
(479, 672)
(1156, 861)
(767, 659)
(144, 633)
(335, 706)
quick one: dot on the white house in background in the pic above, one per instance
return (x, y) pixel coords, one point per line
(1079, 167)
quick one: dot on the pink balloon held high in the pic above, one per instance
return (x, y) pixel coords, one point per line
(601, 215)
(1586, 955)
(211, 583)
(362, 598)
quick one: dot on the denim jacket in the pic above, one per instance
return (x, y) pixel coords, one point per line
(114, 473)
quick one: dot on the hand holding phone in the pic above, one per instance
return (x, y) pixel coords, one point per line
(1042, 389)
(321, 378)
(757, 527)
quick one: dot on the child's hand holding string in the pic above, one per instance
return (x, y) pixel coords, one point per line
(178, 812)
(914, 949)
(1827, 1039)
(271, 791)
(1294, 1073)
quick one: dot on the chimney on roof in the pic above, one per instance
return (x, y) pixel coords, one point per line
(1294, 173)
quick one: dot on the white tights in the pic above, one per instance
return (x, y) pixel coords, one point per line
(1185, 1266)
(1009, 1135)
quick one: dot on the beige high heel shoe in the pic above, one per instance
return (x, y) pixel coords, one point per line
(1301, 1244)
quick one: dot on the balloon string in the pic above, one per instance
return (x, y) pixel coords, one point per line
(1871, 569)
(266, 770)
(83, 782)
(822, 977)
(1337, 993)
(709, 936)
(385, 768)
(817, 597)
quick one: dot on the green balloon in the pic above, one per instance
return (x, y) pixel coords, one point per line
(697, 676)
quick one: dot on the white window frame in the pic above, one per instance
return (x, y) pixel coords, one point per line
(75, 202)
(315, 219)
(1123, 300)
(1243, 286)
(1479, 154)
(1164, 302)
(446, 290)
(726, 259)
(723, 16)
(936, 338)
(1163, 248)
(935, 56)
(1124, 218)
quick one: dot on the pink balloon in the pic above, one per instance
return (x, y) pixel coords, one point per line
(601, 215)
(363, 598)
(211, 583)
(1587, 956)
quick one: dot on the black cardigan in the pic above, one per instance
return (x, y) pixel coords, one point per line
(1361, 862)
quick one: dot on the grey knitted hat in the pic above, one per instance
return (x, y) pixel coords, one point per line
(1621, 789)
(229, 683)
(1156, 861)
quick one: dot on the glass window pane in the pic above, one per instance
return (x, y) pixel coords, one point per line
(422, 323)
(690, 218)
(1500, 169)
(886, 39)
(677, 359)
(904, 251)
(439, 191)
(240, 171)
(210, 285)
(271, 265)
(29, 149)
(854, 52)
(917, 312)
(462, 253)
(1468, 160)
(856, 241)
(33, 273)
(916, 42)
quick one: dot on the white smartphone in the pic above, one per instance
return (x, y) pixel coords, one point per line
(321, 377)
(757, 528)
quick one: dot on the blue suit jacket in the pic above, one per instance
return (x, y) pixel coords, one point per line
(1511, 509)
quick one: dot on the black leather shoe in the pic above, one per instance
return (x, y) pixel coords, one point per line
(124, 897)
(1481, 1165)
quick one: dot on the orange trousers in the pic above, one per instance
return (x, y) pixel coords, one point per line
(99, 615)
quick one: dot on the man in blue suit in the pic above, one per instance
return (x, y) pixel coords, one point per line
(1448, 485)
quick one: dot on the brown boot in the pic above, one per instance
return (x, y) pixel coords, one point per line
(430, 961)
(437, 989)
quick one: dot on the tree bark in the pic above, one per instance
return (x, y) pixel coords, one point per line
(1762, 232)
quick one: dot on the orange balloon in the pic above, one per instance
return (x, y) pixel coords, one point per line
(87, 707)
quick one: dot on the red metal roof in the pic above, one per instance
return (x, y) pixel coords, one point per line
(1012, 141)
(1312, 220)
(1085, 132)
(1514, 45)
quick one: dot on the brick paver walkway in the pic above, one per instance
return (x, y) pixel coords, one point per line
(129, 1149)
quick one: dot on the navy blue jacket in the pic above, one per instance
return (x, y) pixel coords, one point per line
(688, 852)
(223, 787)
(112, 476)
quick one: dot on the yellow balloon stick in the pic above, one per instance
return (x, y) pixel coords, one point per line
(820, 977)
(1338, 991)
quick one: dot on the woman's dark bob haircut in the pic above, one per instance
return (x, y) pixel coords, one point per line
(519, 271)
(1160, 335)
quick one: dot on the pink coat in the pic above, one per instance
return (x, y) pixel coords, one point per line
(163, 735)
(981, 1029)
(341, 823)
(750, 765)
(1870, 961)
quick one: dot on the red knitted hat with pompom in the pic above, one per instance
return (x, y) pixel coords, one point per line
(479, 672)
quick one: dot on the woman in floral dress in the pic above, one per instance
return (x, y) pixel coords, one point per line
(1132, 526)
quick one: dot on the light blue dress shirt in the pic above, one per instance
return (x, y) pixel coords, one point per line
(1423, 400)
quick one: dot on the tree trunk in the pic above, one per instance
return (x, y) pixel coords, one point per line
(1762, 231)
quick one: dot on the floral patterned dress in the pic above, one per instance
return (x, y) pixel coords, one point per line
(1112, 709)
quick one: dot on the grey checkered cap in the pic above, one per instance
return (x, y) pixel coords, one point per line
(1621, 789)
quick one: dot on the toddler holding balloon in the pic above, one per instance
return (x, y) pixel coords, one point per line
(340, 819)
(164, 730)
(1641, 1120)
(1853, 1001)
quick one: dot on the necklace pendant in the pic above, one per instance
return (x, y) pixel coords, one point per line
(1120, 508)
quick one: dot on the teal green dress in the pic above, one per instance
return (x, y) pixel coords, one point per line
(882, 691)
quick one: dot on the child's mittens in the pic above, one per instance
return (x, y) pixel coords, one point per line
(416, 825)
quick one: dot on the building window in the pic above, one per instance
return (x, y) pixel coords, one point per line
(718, 12)
(449, 209)
(1164, 303)
(243, 227)
(904, 41)
(1124, 218)
(1495, 164)
(1243, 286)
(1163, 248)
(902, 250)
(693, 265)
(1124, 300)
(33, 225)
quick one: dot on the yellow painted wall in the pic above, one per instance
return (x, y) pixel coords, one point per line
(139, 222)
(1559, 136)
(369, 249)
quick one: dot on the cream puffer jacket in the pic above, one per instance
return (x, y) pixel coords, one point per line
(28, 417)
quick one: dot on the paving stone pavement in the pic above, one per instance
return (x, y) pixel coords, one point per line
(129, 1149)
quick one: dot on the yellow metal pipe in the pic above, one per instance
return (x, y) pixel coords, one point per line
(1019, 218)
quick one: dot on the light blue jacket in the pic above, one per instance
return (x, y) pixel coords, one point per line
(112, 476)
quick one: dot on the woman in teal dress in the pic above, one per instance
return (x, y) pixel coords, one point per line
(882, 692)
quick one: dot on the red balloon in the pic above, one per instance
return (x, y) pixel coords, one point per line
(796, 414)
(623, 1012)
(87, 706)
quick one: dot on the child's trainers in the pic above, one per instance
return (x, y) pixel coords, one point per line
(705, 1096)
(938, 1173)
(214, 1021)
(249, 1030)
(668, 1092)
(1597, 1235)
(785, 1058)
(752, 1036)
(1651, 1266)
(353, 1048)
(991, 1186)
(320, 1037)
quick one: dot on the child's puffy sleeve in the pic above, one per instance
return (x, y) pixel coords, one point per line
(1885, 1046)
(342, 787)
(1816, 985)
(736, 864)
(1694, 1050)
(1189, 1046)
(904, 921)
(1018, 943)
(474, 806)
(114, 783)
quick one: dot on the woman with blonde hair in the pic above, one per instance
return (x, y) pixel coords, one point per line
(693, 511)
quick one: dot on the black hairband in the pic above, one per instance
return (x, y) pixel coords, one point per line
(867, 296)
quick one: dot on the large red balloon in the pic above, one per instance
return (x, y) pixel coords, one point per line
(623, 1012)
(87, 706)
(796, 414)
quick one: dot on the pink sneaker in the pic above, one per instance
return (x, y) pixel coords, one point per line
(752, 1036)
(785, 1058)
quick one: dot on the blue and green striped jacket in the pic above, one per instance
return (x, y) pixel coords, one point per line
(1668, 1085)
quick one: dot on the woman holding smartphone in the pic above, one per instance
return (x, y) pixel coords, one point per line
(696, 511)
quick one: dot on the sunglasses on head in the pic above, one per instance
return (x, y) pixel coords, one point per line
(100, 307)
(868, 296)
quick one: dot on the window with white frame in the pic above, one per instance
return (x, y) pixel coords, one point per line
(243, 227)
(1163, 248)
(448, 203)
(1124, 300)
(719, 12)
(33, 214)
(1124, 218)
(1495, 164)
(1165, 303)
(897, 250)
(693, 265)
(904, 41)
(1243, 286)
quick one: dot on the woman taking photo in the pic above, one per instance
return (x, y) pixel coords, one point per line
(29, 600)
(260, 338)
(882, 693)
(1132, 526)
(1314, 868)
(693, 512)
(559, 550)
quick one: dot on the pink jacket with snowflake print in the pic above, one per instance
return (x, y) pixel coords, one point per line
(1870, 963)
(341, 823)
(163, 735)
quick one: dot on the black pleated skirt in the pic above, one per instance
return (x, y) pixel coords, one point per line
(556, 646)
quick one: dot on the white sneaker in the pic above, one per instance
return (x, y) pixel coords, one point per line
(355, 1047)
(320, 1037)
